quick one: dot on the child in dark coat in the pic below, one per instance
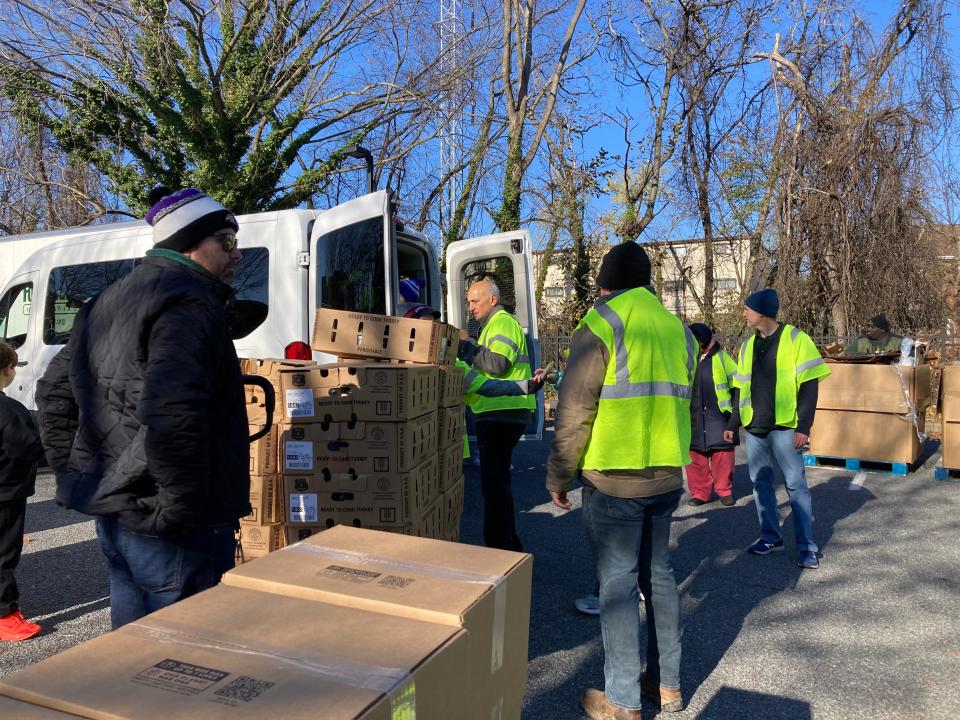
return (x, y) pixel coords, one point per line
(20, 449)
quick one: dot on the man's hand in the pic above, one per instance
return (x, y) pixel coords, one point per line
(728, 436)
(539, 374)
(464, 335)
(560, 500)
(799, 440)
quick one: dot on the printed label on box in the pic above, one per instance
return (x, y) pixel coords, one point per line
(298, 455)
(182, 678)
(299, 402)
(303, 507)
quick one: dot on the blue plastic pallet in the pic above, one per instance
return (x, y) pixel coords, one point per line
(943, 473)
(856, 465)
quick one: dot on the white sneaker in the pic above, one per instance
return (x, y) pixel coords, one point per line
(588, 605)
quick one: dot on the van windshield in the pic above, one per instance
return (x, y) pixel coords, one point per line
(351, 275)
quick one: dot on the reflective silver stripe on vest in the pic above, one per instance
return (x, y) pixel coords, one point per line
(742, 378)
(802, 367)
(505, 340)
(793, 333)
(521, 359)
(725, 406)
(470, 377)
(619, 348)
(722, 386)
(622, 391)
(745, 402)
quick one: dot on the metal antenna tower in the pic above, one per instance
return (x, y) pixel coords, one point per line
(451, 130)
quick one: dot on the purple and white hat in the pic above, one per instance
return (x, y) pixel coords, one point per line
(182, 219)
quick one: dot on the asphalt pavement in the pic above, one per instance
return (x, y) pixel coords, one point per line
(873, 634)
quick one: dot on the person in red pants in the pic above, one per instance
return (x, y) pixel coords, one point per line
(713, 461)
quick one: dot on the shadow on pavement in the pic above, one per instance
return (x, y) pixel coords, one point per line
(745, 705)
(49, 577)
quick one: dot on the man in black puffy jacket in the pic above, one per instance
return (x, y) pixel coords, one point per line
(143, 417)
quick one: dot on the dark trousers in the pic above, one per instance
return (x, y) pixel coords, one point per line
(12, 514)
(149, 573)
(496, 441)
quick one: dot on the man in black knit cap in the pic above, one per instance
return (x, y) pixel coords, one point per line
(877, 338)
(142, 413)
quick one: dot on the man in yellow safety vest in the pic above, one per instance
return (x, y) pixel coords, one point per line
(778, 370)
(499, 353)
(623, 419)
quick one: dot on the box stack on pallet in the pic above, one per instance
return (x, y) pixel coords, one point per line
(949, 406)
(347, 625)
(451, 428)
(261, 532)
(870, 416)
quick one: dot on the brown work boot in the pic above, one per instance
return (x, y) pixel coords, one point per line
(669, 699)
(597, 706)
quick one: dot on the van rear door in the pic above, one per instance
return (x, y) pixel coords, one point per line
(353, 257)
(506, 257)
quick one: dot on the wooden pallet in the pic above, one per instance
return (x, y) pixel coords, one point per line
(943, 473)
(856, 464)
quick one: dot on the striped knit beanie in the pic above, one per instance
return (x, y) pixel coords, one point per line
(181, 219)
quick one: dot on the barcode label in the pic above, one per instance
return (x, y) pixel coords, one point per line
(298, 455)
(384, 407)
(299, 402)
(381, 464)
(303, 507)
(244, 689)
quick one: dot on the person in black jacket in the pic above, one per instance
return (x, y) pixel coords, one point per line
(143, 416)
(20, 450)
(712, 456)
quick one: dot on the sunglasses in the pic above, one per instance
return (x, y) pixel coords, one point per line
(227, 240)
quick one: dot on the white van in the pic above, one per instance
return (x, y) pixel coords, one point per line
(350, 257)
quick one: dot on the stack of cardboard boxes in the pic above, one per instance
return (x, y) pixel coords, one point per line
(949, 401)
(261, 532)
(871, 412)
(347, 625)
(369, 444)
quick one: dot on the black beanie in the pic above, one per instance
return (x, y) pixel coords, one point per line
(764, 302)
(881, 323)
(624, 266)
(702, 333)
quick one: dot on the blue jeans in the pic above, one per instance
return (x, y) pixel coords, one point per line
(778, 447)
(631, 538)
(149, 573)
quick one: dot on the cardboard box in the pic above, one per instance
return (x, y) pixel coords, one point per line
(259, 540)
(451, 386)
(451, 465)
(235, 654)
(452, 509)
(263, 452)
(265, 493)
(873, 436)
(11, 709)
(948, 398)
(323, 449)
(368, 392)
(296, 533)
(484, 591)
(361, 500)
(383, 337)
(451, 425)
(269, 368)
(428, 525)
(950, 445)
(874, 388)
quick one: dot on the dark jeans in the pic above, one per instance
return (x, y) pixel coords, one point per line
(149, 573)
(12, 514)
(496, 441)
(631, 538)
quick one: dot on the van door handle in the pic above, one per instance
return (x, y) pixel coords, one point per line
(22, 363)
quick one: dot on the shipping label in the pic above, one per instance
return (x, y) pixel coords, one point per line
(299, 402)
(298, 455)
(303, 507)
(179, 677)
